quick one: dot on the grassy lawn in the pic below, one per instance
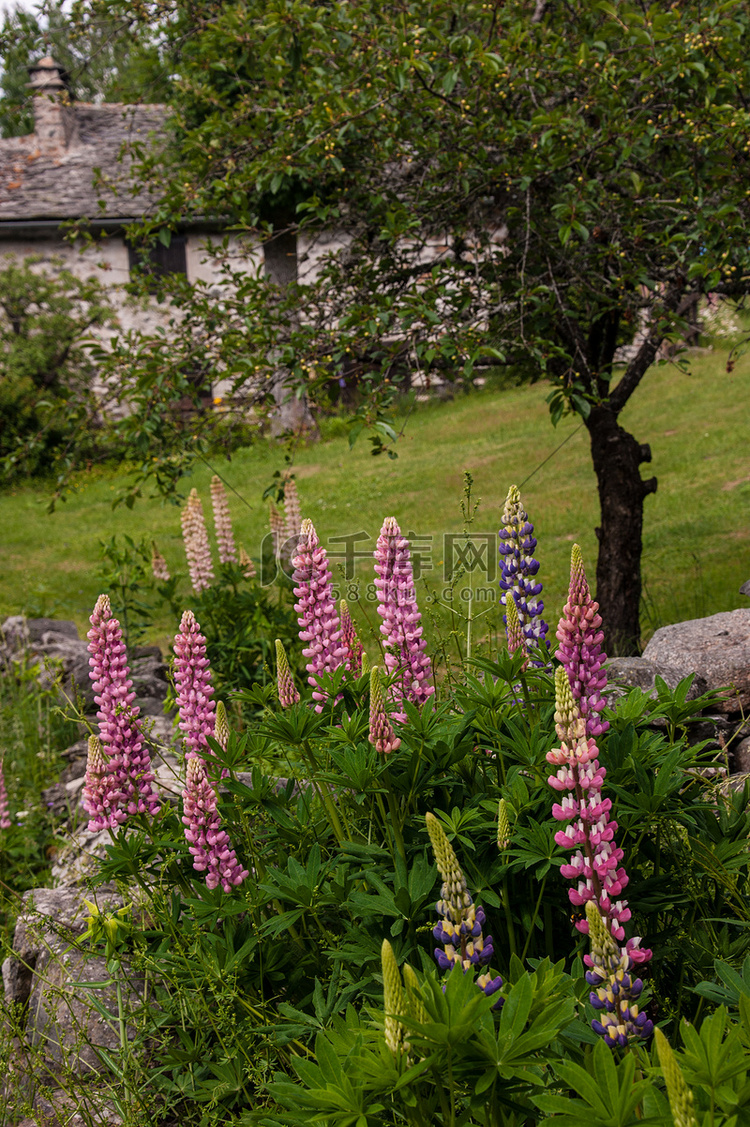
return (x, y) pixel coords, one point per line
(697, 528)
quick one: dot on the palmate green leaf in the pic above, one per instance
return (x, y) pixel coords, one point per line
(713, 1055)
(609, 1094)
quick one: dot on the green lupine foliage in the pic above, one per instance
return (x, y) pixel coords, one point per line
(266, 1004)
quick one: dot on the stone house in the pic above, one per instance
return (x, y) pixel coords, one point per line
(77, 164)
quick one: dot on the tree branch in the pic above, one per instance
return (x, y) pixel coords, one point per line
(677, 303)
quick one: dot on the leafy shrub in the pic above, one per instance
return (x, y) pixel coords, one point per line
(46, 399)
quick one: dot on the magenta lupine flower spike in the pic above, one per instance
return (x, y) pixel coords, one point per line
(518, 568)
(595, 866)
(580, 635)
(401, 627)
(197, 548)
(381, 734)
(122, 740)
(209, 843)
(350, 640)
(5, 822)
(286, 687)
(460, 930)
(192, 675)
(616, 990)
(319, 623)
(222, 522)
(102, 795)
(159, 567)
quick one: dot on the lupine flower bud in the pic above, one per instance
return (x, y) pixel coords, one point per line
(197, 548)
(102, 794)
(503, 825)
(381, 732)
(365, 663)
(518, 568)
(615, 991)
(394, 1001)
(580, 635)
(319, 623)
(292, 513)
(286, 687)
(192, 674)
(121, 737)
(247, 565)
(159, 568)
(414, 1004)
(221, 728)
(222, 522)
(277, 525)
(680, 1097)
(455, 894)
(209, 843)
(349, 639)
(401, 628)
(513, 629)
(5, 822)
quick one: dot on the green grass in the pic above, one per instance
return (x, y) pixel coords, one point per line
(697, 532)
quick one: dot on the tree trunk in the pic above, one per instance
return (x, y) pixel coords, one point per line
(616, 456)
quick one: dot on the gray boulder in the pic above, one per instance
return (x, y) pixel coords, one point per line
(716, 648)
(640, 673)
(52, 976)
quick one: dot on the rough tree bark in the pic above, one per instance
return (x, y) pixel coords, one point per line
(617, 456)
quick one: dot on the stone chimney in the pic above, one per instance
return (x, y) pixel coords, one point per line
(54, 119)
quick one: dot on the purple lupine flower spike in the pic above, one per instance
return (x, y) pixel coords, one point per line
(197, 548)
(222, 522)
(460, 930)
(192, 674)
(121, 737)
(401, 627)
(595, 866)
(102, 795)
(518, 568)
(5, 822)
(286, 688)
(381, 733)
(209, 843)
(350, 640)
(616, 990)
(580, 651)
(320, 628)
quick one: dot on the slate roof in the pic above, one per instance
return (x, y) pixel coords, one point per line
(50, 174)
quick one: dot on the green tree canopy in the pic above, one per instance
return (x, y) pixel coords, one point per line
(534, 185)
